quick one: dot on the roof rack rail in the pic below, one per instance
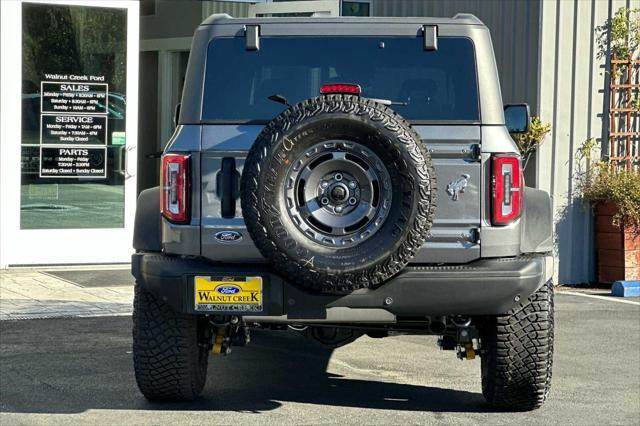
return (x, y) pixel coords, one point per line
(469, 17)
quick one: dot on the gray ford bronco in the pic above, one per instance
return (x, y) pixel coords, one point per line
(343, 177)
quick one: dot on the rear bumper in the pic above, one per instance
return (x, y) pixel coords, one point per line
(483, 287)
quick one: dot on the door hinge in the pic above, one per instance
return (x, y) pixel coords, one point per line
(252, 34)
(476, 151)
(475, 235)
(430, 37)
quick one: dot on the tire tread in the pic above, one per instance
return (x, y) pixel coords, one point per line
(165, 350)
(518, 358)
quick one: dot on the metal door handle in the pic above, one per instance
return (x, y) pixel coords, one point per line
(128, 149)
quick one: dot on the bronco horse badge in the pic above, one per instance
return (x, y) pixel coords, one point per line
(456, 187)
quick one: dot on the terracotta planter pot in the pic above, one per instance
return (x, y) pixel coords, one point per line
(618, 248)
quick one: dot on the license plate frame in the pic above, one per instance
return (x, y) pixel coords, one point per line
(232, 294)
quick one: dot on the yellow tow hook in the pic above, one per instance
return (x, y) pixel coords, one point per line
(470, 353)
(219, 341)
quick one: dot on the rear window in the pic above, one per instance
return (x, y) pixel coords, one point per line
(430, 85)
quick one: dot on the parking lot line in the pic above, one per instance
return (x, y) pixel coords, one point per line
(595, 296)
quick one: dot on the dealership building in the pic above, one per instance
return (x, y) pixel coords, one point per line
(89, 90)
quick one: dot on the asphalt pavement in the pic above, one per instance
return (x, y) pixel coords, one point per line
(79, 371)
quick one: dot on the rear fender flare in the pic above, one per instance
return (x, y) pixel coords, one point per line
(147, 226)
(537, 222)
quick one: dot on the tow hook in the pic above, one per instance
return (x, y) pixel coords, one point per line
(233, 333)
(221, 343)
(467, 351)
(465, 335)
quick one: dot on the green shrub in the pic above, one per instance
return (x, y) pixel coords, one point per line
(601, 182)
(529, 142)
(620, 35)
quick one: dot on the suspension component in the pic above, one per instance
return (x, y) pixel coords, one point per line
(465, 337)
(221, 343)
(229, 331)
(240, 336)
(447, 343)
(466, 351)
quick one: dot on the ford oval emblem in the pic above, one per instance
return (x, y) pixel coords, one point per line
(228, 289)
(228, 236)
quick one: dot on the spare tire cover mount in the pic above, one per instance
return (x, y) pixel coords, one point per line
(338, 192)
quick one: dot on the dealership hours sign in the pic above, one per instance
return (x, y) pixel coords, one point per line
(73, 127)
(74, 97)
(73, 162)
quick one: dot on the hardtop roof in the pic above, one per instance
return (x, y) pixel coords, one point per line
(459, 19)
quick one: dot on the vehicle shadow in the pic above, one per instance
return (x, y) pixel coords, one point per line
(73, 365)
(281, 367)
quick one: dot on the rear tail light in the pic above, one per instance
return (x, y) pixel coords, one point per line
(174, 184)
(343, 88)
(507, 185)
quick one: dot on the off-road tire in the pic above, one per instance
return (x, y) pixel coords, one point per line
(517, 354)
(170, 354)
(288, 137)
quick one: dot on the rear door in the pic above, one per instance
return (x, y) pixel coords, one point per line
(435, 90)
(455, 152)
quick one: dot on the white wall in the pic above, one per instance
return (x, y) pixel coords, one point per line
(572, 97)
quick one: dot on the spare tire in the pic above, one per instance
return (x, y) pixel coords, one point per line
(338, 192)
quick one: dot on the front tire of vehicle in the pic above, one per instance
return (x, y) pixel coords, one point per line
(517, 354)
(170, 350)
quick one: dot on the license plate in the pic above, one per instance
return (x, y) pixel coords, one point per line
(228, 294)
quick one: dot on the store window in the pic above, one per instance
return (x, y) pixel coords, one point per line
(73, 117)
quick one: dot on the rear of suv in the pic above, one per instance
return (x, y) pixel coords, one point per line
(342, 177)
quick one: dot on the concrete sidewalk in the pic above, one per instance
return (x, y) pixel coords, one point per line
(32, 293)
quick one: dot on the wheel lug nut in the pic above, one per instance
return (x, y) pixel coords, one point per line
(352, 184)
(338, 177)
(352, 201)
(338, 209)
(324, 201)
(324, 184)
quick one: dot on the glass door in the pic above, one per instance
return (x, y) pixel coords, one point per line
(75, 185)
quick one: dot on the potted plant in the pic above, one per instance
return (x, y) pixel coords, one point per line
(612, 183)
(615, 197)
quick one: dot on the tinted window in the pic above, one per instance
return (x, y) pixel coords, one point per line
(432, 85)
